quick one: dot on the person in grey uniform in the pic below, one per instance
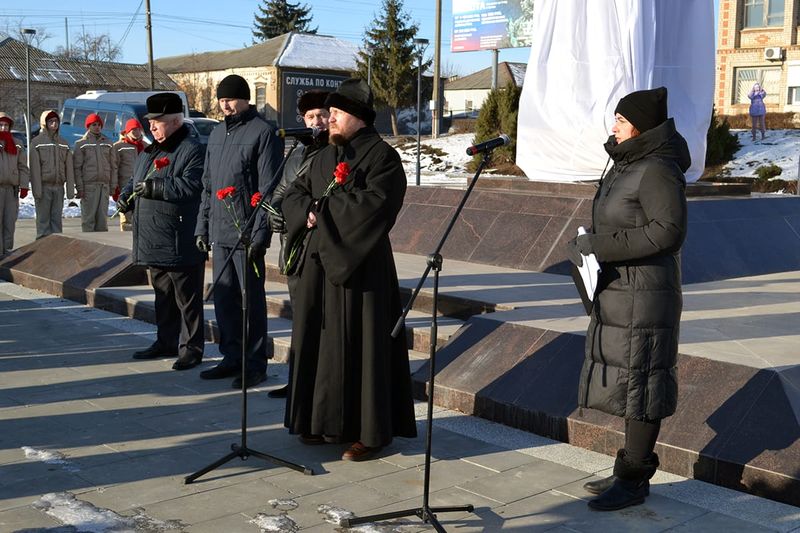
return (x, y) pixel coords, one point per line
(94, 175)
(51, 169)
(13, 183)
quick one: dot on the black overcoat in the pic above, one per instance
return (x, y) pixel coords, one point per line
(349, 378)
(163, 229)
(639, 224)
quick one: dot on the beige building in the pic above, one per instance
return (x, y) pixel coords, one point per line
(463, 97)
(757, 42)
(278, 71)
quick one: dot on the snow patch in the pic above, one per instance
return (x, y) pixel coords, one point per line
(49, 457)
(283, 504)
(334, 515)
(780, 147)
(281, 523)
(86, 518)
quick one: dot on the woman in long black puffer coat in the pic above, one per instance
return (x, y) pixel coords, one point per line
(639, 224)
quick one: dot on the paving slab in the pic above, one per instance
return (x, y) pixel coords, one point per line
(133, 431)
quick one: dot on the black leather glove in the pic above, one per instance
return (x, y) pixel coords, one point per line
(572, 252)
(201, 241)
(578, 247)
(152, 188)
(256, 251)
(584, 243)
(124, 203)
(276, 222)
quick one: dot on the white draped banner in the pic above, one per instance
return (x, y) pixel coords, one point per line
(586, 55)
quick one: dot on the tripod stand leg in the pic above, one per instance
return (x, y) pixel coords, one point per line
(299, 468)
(420, 512)
(189, 479)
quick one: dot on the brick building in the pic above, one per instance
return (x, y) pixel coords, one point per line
(757, 41)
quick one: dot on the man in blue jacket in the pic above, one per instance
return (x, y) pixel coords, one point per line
(242, 158)
(164, 193)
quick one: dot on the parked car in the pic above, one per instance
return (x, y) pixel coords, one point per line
(200, 128)
(115, 108)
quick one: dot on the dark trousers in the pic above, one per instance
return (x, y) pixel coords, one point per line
(228, 310)
(179, 308)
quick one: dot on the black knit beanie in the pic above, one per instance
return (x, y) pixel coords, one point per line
(233, 86)
(355, 97)
(644, 109)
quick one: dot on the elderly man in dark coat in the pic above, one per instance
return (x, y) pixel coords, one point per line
(349, 379)
(311, 106)
(164, 192)
(244, 154)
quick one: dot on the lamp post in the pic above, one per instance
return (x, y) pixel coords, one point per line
(29, 33)
(369, 51)
(421, 44)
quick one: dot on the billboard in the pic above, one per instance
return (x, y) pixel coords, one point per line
(491, 24)
(294, 84)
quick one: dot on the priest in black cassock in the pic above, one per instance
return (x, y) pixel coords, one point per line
(349, 380)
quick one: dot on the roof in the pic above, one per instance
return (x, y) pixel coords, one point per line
(506, 72)
(297, 50)
(47, 68)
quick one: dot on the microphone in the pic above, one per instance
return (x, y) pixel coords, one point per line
(313, 131)
(491, 144)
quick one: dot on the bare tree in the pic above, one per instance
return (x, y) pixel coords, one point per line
(91, 47)
(14, 29)
(199, 88)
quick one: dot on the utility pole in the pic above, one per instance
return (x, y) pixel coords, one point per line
(66, 33)
(437, 53)
(149, 28)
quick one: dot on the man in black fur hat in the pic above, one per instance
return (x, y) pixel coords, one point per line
(314, 112)
(349, 380)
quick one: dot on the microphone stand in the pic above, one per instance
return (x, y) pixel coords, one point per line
(241, 450)
(426, 513)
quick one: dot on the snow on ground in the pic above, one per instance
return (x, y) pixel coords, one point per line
(781, 147)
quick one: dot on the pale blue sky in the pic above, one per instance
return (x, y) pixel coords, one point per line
(184, 27)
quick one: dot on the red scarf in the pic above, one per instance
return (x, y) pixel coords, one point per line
(9, 143)
(138, 144)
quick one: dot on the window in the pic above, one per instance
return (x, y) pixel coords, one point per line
(768, 77)
(261, 97)
(793, 83)
(80, 117)
(66, 117)
(761, 13)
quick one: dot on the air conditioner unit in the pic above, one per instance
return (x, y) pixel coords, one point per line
(773, 53)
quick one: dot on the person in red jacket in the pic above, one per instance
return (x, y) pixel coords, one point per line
(13, 183)
(124, 153)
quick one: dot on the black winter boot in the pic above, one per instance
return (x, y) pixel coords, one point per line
(630, 483)
(601, 485)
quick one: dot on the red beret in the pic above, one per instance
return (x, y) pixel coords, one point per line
(91, 119)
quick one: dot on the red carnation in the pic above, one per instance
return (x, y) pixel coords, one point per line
(226, 192)
(255, 199)
(341, 173)
(161, 162)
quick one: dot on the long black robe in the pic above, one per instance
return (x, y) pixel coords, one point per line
(349, 378)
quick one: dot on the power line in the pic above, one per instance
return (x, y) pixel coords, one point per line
(128, 29)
